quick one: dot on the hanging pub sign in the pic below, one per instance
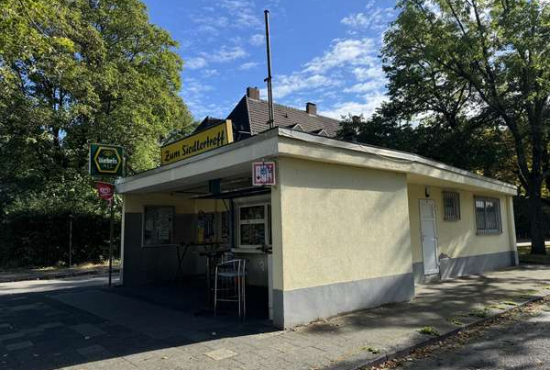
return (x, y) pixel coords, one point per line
(197, 143)
(106, 160)
(105, 190)
(263, 173)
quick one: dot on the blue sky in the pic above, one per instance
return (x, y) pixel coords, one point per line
(324, 51)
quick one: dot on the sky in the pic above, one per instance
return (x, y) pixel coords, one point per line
(323, 51)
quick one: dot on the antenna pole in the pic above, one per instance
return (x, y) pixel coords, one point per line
(271, 121)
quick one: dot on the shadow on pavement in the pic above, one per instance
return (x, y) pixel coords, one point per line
(79, 325)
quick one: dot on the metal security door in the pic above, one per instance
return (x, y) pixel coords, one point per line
(428, 236)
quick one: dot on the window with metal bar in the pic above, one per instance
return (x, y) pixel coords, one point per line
(451, 206)
(488, 219)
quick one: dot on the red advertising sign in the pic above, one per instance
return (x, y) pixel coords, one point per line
(105, 190)
(263, 173)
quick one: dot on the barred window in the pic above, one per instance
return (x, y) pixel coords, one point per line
(488, 220)
(451, 206)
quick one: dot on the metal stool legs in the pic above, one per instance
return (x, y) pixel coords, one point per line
(230, 284)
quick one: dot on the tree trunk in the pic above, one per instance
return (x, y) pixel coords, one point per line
(535, 217)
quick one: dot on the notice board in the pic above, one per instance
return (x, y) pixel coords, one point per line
(158, 225)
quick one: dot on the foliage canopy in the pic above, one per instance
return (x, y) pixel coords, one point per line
(73, 72)
(476, 72)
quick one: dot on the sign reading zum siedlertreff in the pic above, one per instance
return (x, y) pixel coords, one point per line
(106, 160)
(200, 142)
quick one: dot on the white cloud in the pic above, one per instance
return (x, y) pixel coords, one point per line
(287, 84)
(210, 23)
(358, 20)
(196, 96)
(351, 62)
(227, 54)
(366, 106)
(216, 18)
(243, 13)
(195, 87)
(362, 73)
(257, 39)
(344, 52)
(364, 87)
(223, 55)
(210, 72)
(196, 63)
(248, 65)
(375, 19)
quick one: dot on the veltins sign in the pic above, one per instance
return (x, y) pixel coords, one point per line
(200, 142)
(263, 173)
(105, 160)
(105, 190)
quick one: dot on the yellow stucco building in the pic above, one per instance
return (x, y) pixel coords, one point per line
(345, 227)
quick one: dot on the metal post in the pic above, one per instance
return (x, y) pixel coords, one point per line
(111, 243)
(70, 241)
(271, 121)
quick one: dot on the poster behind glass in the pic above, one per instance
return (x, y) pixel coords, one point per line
(158, 225)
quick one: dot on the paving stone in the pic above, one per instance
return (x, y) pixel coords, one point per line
(91, 350)
(249, 360)
(220, 354)
(88, 330)
(51, 325)
(19, 345)
(9, 336)
(25, 307)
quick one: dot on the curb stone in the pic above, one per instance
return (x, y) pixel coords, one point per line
(364, 362)
(52, 276)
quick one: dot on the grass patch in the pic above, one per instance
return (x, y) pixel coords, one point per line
(455, 321)
(372, 350)
(525, 256)
(509, 303)
(482, 313)
(429, 330)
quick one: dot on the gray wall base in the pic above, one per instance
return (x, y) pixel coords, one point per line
(474, 265)
(418, 272)
(301, 306)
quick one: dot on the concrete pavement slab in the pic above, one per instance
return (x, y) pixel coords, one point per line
(18, 345)
(220, 354)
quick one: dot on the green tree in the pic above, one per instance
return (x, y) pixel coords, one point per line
(74, 72)
(479, 60)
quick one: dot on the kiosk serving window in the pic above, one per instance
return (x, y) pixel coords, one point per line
(254, 225)
(158, 225)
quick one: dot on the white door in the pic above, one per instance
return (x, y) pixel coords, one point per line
(428, 236)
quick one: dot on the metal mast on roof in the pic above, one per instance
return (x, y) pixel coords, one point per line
(271, 121)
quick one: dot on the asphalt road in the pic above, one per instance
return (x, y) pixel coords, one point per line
(522, 344)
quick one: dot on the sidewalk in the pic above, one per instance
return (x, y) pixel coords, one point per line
(42, 274)
(99, 329)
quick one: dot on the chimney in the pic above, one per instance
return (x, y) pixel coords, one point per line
(253, 93)
(311, 108)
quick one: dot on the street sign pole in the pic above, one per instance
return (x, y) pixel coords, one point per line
(70, 241)
(107, 161)
(111, 244)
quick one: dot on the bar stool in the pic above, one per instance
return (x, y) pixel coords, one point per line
(230, 284)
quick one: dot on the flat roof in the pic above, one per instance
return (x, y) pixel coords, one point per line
(236, 157)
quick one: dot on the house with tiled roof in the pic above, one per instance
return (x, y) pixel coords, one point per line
(251, 114)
